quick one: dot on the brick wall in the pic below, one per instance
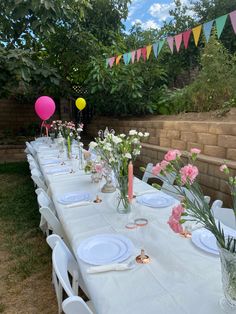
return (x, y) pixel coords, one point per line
(12, 153)
(14, 116)
(217, 141)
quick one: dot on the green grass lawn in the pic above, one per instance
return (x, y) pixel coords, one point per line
(21, 237)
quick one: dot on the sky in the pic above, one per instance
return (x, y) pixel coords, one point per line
(150, 13)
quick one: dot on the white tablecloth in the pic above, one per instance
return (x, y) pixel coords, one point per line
(180, 278)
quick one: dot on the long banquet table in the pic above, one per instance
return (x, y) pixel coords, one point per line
(180, 278)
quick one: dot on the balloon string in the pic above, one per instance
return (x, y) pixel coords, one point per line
(41, 129)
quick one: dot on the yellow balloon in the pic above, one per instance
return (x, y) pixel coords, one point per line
(80, 103)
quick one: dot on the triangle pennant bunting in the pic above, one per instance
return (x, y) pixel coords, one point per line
(144, 53)
(155, 49)
(186, 37)
(233, 20)
(220, 24)
(138, 54)
(125, 58)
(111, 61)
(160, 45)
(129, 56)
(149, 49)
(196, 34)
(178, 41)
(133, 53)
(207, 27)
(170, 41)
(118, 59)
(107, 62)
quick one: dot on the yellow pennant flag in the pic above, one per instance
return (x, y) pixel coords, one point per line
(196, 34)
(118, 59)
(148, 49)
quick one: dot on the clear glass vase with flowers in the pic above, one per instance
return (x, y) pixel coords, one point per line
(117, 151)
(195, 208)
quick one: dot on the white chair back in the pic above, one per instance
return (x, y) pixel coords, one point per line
(148, 175)
(75, 305)
(225, 215)
(52, 220)
(39, 182)
(43, 199)
(31, 149)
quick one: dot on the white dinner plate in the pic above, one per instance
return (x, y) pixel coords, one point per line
(196, 239)
(58, 170)
(73, 197)
(155, 200)
(208, 239)
(105, 249)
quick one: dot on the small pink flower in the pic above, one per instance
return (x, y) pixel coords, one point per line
(164, 164)
(156, 169)
(175, 225)
(172, 154)
(189, 173)
(98, 168)
(195, 151)
(177, 211)
(223, 168)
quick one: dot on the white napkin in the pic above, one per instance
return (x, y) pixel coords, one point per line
(82, 203)
(109, 267)
(60, 173)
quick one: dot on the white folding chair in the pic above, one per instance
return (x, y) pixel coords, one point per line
(31, 149)
(63, 263)
(52, 240)
(39, 182)
(52, 221)
(224, 215)
(76, 305)
(148, 175)
(44, 200)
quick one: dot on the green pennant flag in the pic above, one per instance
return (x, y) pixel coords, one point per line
(161, 43)
(220, 24)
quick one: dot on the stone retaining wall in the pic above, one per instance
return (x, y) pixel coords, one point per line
(12, 153)
(217, 141)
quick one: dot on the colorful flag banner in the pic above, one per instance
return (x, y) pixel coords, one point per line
(149, 49)
(170, 41)
(127, 57)
(220, 24)
(138, 54)
(186, 37)
(207, 27)
(160, 45)
(178, 41)
(155, 48)
(233, 20)
(144, 53)
(111, 61)
(196, 34)
(118, 59)
(133, 53)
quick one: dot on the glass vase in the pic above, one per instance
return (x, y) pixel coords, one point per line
(123, 206)
(228, 270)
(68, 146)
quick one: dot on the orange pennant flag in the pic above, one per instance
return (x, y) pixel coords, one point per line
(196, 34)
(118, 59)
(148, 49)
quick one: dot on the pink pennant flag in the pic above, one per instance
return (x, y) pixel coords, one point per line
(170, 41)
(144, 53)
(186, 37)
(178, 41)
(133, 53)
(111, 61)
(233, 20)
(139, 51)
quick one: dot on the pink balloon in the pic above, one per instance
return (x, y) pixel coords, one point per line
(44, 107)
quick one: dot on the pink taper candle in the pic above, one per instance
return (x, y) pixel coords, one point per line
(130, 181)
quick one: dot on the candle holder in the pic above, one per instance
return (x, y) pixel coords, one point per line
(143, 258)
(97, 200)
